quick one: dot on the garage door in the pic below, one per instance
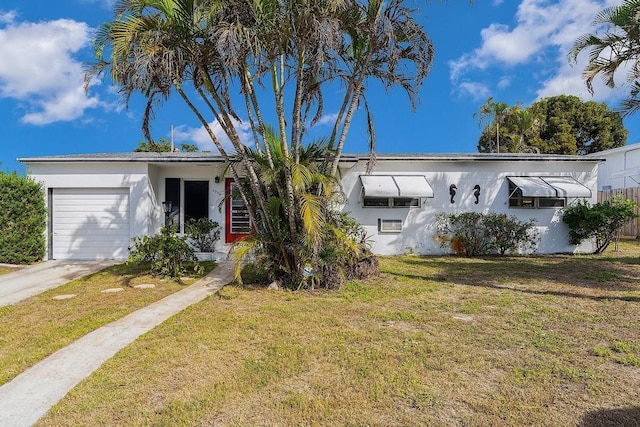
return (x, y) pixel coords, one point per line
(90, 223)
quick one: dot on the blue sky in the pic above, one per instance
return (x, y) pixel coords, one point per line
(512, 50)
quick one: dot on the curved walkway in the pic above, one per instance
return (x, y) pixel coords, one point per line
(31, 394)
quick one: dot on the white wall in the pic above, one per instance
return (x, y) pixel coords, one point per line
(619, 160)
(101, 175)
(196, 172)
(146, 184)
(418, 234)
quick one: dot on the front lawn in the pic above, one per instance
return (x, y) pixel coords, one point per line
(549, 340)
(6, 270)
(38, 326)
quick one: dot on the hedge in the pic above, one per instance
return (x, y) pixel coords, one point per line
(23, 217)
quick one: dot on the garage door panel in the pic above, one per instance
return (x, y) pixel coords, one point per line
(88, 211)
(90, 223)
(71, 237)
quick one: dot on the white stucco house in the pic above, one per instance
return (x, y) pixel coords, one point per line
(98, 202)
(621, 168)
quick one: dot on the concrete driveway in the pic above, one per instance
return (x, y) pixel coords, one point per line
(32, 280)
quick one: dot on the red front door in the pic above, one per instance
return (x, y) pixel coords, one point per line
(238, 221)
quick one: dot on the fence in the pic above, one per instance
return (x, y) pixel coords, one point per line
(632, 228)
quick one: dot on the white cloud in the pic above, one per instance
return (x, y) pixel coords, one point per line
(504, 82)
(544, 30)
(38, 69)
(476, 90)
(106, 3)
(327, 119)
(200, 137)
(7, 17)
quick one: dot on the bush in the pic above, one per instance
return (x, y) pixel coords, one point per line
(473, 234)
(23, 217)
(167, 254)
(599, 221)
(345, 253)
(204, 233)
(510, 234)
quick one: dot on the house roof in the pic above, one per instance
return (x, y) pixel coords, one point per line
(204, 157)
(628, 147)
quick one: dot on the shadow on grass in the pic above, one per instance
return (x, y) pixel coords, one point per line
(621, 417)
(564, 274)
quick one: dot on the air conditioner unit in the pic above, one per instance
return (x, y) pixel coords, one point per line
(389, 225)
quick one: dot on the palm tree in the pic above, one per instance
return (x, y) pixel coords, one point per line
(524, 125)
(493, 113)
(618, 47)
(205, 50)
(329, 251)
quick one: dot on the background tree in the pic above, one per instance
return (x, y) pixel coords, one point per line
(562, 124)
(282, 52)
(493, 114)
(617, 48)
(524, 125)
(164, 146)
(572, 126)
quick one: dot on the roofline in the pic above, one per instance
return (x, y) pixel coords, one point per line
(628, 147)
(346, 158)
(127, 158)
(473, 157)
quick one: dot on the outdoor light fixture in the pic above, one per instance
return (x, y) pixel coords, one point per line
(217, 179)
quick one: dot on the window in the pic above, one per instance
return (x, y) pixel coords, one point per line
(391, 202)
(196, 200)
(394, 191)
(188, 197)
(389, 225)
(518, 200)
(172, 195)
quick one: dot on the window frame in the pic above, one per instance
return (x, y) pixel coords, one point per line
(393, 202)
(515, 195)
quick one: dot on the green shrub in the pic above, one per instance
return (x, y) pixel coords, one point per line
(204, 233)
(599, 222)
(23, 217)
(473, 233)
(167, 254)
(510, 234)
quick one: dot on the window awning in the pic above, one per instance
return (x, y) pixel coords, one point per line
(413, 186)
(567, 186)
(550, 186)
(532, 186)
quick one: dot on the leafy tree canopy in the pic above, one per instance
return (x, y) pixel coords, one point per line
(599, 222)
(164, 146)
(614, 45)
(562, 124)
(267, 62)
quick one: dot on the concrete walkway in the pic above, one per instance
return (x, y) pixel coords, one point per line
(34, 279)
(31, 394)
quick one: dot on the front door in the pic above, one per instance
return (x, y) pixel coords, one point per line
(238, 221)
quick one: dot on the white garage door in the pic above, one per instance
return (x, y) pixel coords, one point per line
(90, 223)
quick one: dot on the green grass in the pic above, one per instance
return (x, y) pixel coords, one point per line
(6, 270)
(436, 341)
(38, 326)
